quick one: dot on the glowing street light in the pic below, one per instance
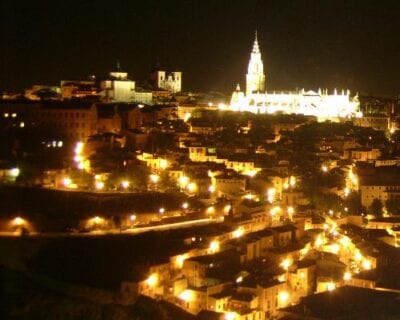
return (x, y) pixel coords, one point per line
(286, 263)
(125, 184)
(330, 286)
(163, 164)
(99, 185)
(227, 208)
(79, 147)
(286, 185)
(152, 280)
(187, 116)
(185, 205)
(132, 217)
(154, 178)
(366, 264)
(274, 211)
(211, 189)
(283, 298)
(324, 168)
(319, 242)
(14, 172)
(180, 260)
(183, 181)
(238, 232)
(347, 276)
(214, 246)
(271, 194)
(186, 295)
(210, 210)
(18, 221)
(67, 182)
(230, 316)
(161, 210)
(192, 187)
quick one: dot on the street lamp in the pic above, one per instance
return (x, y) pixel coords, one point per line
(154, 178)
(18, 222)
(125, 184)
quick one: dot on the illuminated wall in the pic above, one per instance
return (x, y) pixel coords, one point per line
(319, 103)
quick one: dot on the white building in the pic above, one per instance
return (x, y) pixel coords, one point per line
(171, 82)
(118, 88)
(315, 103)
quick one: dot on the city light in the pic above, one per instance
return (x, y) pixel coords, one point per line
(186, 295)
(187, 116)
(132, 217)
(283, 297)
(347, 276)
(214, 246)
(163, 164)
(335, 248)
(210, 210)
(192, 187)
(324, 168)
(230, 316)
(14, 172)
(319, 242)
(238, 232)
(250, 173)
(286, 185)
(180, 260)
(79, 147)
(99, 185)
(152, 280)
(18, 221)
(161, 210)
(211, 189)
(366, 264)
(358, 256)
(125, 184)
(271, 194)
(330, 286)
(275, 210)
(154, 178)
(292, 181)
(290, 211)
(183, 181)
(227, 208)
(286, 263)
(67, 182)
(185, 205)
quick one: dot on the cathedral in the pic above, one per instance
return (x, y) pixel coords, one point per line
(319, 103)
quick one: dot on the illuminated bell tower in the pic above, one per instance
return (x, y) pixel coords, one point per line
(255, 78)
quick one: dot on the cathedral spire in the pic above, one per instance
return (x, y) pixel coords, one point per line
(256, 49)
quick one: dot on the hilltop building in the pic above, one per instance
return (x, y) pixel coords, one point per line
(319, 103)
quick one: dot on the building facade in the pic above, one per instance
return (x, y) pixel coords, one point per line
(319, 103)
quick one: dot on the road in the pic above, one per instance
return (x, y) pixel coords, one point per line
(133, 231)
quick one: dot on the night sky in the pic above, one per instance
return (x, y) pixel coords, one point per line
(310, 44)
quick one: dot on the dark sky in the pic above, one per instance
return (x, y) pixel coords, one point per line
(311, 44)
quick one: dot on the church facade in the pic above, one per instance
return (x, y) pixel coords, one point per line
(321, 103)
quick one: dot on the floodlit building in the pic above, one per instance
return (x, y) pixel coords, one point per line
(118, 88)
(319, 103)
(171, 82)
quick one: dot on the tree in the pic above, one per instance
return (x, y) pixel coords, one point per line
(353, 203)
(393, 206)
(376, 207)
